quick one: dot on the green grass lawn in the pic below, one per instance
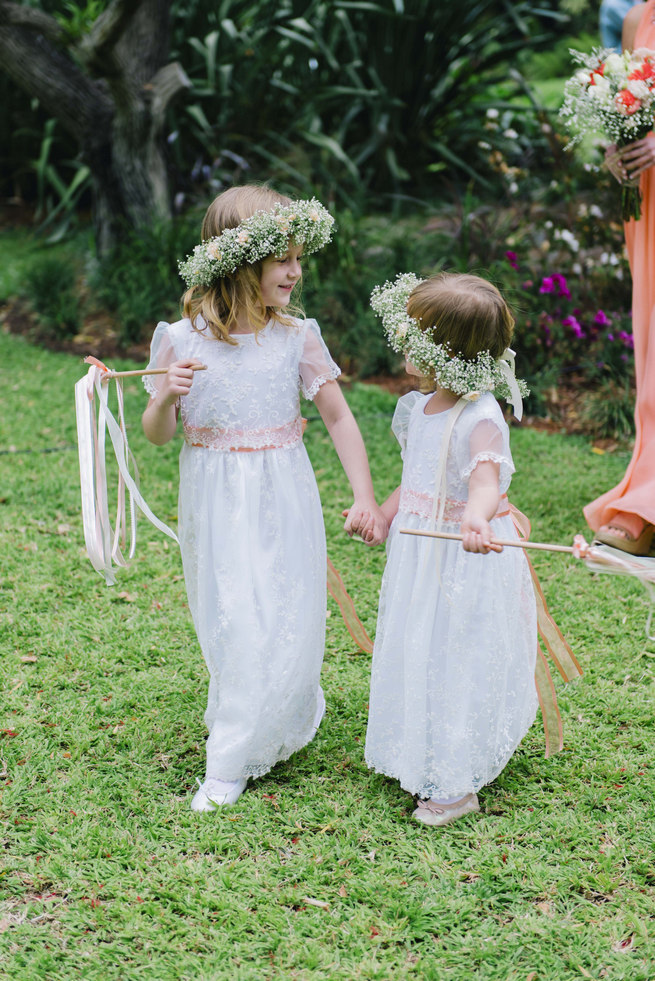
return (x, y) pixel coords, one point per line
(318, 872)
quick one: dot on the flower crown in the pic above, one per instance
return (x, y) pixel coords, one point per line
(463, 377)
(263, 234)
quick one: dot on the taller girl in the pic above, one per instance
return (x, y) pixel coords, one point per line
(250, 523)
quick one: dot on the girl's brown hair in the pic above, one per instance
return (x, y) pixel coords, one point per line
(464, 313)
(220, 304)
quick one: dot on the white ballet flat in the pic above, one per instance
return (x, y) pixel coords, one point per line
(217, 793)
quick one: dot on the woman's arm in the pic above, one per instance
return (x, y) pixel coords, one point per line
(482, 504)
(630, 25)
(348, 442)
(159, 420)
(629, 162)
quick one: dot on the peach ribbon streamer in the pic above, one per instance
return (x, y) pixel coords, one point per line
(556, 646)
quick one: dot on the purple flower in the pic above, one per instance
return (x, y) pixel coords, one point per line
(512, 259)
(555, 283)
(575, 326)
(601, 319)
(562, 288)
(627, 339)
(610, 337)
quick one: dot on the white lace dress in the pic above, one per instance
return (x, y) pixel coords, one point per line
(252, 536)
(452, 686)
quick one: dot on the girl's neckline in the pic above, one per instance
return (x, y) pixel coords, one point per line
(441, 412)
(250, 333)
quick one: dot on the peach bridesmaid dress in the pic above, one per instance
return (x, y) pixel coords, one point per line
(635, 494)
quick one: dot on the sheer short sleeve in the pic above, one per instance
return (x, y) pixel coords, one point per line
(484, 435)
(162, 355)
(316, 366)
(400, 421)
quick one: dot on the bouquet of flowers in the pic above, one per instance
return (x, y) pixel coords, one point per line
(614, 95)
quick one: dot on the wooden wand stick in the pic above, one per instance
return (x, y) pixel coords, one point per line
(541, 546)
(106, 375)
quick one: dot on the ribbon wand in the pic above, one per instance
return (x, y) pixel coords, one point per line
(105, 544)
(108, 373)
(517, 543)
(597, 558)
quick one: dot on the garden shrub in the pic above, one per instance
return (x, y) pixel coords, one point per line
(52, 292)
(139, 280)
(608, 411)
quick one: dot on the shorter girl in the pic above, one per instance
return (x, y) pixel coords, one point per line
(452, 687)
(250, 524)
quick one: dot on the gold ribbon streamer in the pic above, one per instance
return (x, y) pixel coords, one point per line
(340, 595)
(557, 647)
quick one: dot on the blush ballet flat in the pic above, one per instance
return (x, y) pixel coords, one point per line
(436, 815)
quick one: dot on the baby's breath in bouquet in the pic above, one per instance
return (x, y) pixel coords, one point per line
(614, 95)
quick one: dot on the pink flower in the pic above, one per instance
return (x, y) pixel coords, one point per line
(512, 259)
(644, 73)
(626, 102)
(601, 319)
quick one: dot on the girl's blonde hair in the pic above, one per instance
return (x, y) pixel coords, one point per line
(220, 304)
(465, 313)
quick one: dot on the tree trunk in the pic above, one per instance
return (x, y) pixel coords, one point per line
(111, 98)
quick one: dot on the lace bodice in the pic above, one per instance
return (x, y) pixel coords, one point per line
(480, 433)
(249, 395)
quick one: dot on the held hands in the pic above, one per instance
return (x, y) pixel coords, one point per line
(476, 532)
(628, 163)
(368, 522)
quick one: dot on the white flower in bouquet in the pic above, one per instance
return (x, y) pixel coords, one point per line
(614, 95)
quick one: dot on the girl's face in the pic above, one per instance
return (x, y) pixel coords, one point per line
(279, 276)
(412, 369)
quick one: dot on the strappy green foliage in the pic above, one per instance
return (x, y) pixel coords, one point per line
(342, 98)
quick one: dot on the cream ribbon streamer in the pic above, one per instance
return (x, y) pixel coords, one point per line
(104, 545)
(507, 364)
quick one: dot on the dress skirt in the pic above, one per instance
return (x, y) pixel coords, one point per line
(452, 687)
(253, 549)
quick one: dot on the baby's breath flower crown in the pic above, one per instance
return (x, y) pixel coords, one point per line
(458, 375)
(266, 233)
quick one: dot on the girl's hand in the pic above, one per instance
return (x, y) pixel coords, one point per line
(476, 532)
(177, 381)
